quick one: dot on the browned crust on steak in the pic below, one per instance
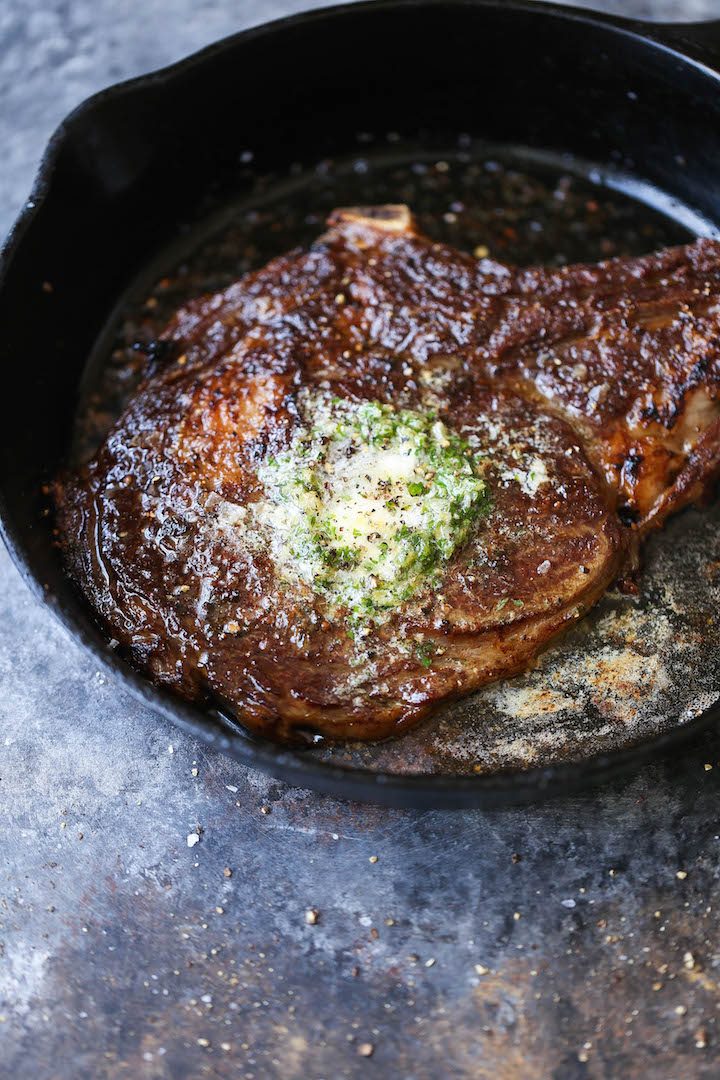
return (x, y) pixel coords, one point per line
(376, 311)
(630, 356)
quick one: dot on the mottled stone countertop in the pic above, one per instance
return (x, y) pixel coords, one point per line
(573, 939)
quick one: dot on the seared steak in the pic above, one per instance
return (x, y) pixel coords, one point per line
(380, 473)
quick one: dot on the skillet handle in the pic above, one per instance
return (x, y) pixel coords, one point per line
(699, 40)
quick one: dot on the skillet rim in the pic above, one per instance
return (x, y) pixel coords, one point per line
(684, 42)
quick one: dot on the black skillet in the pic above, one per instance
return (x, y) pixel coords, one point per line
(135, 166)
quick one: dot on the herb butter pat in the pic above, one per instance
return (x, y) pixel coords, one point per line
(368, 502)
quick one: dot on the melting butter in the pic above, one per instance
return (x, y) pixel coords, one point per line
(368, 502)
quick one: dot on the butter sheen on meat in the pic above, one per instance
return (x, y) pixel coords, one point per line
(387, 473)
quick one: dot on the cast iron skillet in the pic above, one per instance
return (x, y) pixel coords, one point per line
(135, 160)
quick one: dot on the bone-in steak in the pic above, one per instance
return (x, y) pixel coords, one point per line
(380, 473)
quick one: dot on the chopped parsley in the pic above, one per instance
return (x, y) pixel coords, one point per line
(425, 651)
(368, 503)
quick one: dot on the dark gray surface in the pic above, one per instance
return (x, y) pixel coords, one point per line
(125, 952)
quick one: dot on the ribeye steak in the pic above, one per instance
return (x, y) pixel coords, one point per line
(380, 473)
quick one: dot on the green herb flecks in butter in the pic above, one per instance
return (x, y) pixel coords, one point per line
(368, 503)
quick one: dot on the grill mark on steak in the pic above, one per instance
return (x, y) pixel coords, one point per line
(608, 374)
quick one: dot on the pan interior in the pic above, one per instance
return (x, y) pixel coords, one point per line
(636, 666)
